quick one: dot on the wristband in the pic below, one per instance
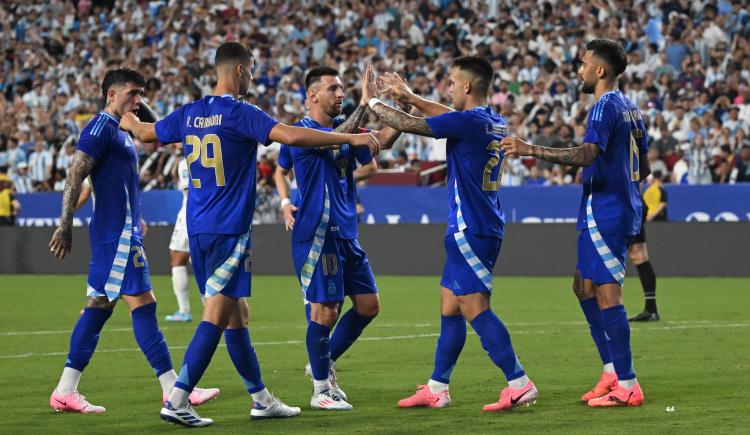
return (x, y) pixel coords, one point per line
(373, 101)
(285, 202)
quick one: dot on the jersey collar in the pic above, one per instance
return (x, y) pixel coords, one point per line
(109, 116)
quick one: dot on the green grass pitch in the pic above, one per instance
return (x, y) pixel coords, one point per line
(696, 360)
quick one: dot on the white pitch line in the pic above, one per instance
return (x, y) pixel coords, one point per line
(397, 337)
(106, 330)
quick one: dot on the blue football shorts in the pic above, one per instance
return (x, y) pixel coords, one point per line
(336, 269)
(602, 267)
(112, 273)
(469, 262)
(222, 264)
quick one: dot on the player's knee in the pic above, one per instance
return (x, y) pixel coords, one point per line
(368, 307)
(638, 258)
(324, 314)
(100, 302)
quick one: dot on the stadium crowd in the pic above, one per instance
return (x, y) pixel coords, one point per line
(689, 72)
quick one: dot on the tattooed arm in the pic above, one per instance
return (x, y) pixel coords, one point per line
(583, 155)
(401, 121)
(351, 125)
(62, 239)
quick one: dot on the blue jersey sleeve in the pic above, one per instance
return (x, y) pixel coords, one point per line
(255, 123)
(285, 158)
(95, 146)
(168, 129)
(363, 155)
(600, 125)
(449, 125)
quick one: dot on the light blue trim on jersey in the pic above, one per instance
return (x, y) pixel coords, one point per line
(98, 126)
(221, 276)
(459, 216)
(117, 273)
(476, 264)
(317, 247)
(614, 266)
(599, 106)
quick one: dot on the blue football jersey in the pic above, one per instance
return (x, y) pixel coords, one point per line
(114, 178)
(318, 171)
(221, 137)
(474, 160)
(613, 179)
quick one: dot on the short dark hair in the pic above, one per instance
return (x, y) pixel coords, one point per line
(478, 67)
(232, 53)
(316, 73)
(611, 52)
(121, 76)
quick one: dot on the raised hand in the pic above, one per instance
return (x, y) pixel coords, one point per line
(369, 85)
(395, 86)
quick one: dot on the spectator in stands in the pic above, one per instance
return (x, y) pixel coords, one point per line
(21, 180)
(698, 158)
(514, 173)
(40, 164)
(656, 163)
(741, 168)
(685, 62)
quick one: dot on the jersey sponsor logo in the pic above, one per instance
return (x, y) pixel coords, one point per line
(496, 129)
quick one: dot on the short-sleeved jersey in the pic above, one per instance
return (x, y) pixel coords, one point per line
(613, 179)
(474, 161)
(318, 171)
(221, 137)
(114, 178)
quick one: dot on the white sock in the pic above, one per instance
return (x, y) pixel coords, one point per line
(180, 287)
(436, 387)
(69, 380)
(263, 397)
(609, 368)
(519, 382)
(630, 383)
(167, 380)
(319, 386)
(179, 397)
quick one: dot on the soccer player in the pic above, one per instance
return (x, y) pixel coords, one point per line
(221, 135)
(613, 155)
(328, 259)
(118, 267)
(179, 252)
(475, 226)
